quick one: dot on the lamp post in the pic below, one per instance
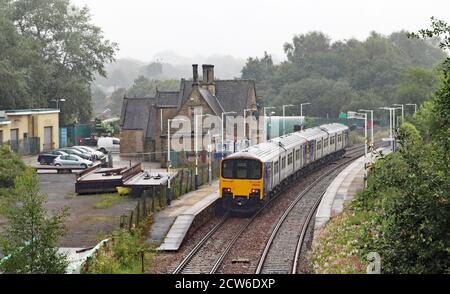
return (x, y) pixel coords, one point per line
(223, 121)
(169, 163)
(357, 115)
(284, 117)
(196, 149)
(265, 127)
(57, 102)
(371, 117)
(210, 156)
(402, 107)
(301, 108)
(413, 104)
(391, 125)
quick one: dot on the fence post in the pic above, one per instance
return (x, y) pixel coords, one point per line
(130, 224)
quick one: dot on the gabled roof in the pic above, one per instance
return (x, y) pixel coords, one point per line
(231, 95)
(135, 113)
(212, 101)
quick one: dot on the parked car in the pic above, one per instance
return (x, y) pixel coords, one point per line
(99, 155)
(71, 151)
(91, 155)
(49, 157)
(108, 144)
(46, 159)
(72, 160)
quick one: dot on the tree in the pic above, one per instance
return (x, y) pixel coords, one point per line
(29, 239)
(52, 52)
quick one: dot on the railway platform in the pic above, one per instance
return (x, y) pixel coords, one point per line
(172, 224)
(341, 191)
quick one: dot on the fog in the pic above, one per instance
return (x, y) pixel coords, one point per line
(248, 28)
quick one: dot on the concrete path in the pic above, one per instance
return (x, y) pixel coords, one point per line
(178, 217)
(341, 191)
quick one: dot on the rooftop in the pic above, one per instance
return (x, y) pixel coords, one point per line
(32, 111)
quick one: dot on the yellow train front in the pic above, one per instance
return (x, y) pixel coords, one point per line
(241, 184)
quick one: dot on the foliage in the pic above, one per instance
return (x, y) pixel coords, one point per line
(50, 51)
(121, 256)
(144, 87)
(348, 75)
(30, 236)
(11, 166)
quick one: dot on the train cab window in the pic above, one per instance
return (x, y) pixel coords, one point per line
(242, 169)
(290, 156)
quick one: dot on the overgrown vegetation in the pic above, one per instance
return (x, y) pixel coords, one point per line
(29, 239)
(404, 212)
(122, 255)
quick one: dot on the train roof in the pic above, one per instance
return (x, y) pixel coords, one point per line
(335, 127)
(311, 134)
(289, 141)
(262, 151)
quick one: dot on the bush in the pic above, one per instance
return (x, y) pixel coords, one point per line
(11, 166)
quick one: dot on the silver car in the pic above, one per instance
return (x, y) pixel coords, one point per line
(72, 160)
(98, 154)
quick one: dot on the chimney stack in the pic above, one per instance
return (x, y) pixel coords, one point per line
(208, 74)
(195, 74)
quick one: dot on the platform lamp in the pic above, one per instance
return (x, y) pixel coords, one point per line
(358, 115)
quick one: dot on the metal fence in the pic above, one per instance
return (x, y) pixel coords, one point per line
(28, 146)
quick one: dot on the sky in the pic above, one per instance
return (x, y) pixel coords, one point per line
(244, 28)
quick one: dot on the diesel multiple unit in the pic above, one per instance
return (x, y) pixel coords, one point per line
(250, 177)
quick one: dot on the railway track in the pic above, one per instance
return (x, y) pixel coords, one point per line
(209, 253)
(282, 251)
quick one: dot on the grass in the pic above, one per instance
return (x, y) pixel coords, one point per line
(108, 200)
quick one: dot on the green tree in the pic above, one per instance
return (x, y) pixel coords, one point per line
(29, 239)
(52, 51)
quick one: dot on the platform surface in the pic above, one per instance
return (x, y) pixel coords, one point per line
(342, 190)
(171, 224)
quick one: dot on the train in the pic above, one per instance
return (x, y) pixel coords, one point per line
(251, 177)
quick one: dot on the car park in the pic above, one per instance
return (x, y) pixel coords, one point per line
(108, 144)
(72, 160)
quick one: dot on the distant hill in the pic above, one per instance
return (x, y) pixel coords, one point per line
(165, 65)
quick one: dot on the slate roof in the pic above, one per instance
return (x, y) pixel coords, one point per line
(231, 95)
(167, 98)
(135, 112)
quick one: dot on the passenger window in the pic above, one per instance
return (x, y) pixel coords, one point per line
(116, 142)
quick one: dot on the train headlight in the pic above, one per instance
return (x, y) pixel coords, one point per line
(256, 191)
(226, 190)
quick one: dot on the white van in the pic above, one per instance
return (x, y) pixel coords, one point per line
(108, 144)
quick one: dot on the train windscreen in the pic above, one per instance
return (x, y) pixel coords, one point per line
(242, 169)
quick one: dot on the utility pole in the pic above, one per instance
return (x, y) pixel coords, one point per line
(301, 108)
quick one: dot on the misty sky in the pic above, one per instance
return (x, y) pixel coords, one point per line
(244, 28)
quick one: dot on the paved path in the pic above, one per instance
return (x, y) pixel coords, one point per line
(341, 191)
(183, 211)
